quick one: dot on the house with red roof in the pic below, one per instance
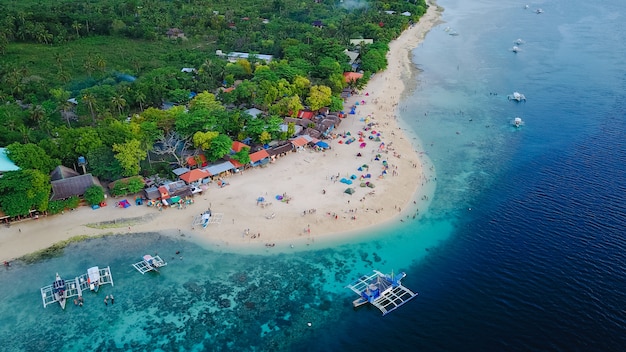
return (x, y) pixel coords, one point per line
(195, 175)
(238, 146)
(261, 157)
(299, 143)
(350, 77)
(196, 161)
(305, 114)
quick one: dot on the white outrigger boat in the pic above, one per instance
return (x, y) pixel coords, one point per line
(149, 263)
(384, 292)
(517, 122)
(517, 96)
(95, 278)
(59, 291)
(55, 293)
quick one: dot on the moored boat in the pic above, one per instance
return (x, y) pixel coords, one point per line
(517, 96)
(93, 278)
(517, 122)
(60, 295)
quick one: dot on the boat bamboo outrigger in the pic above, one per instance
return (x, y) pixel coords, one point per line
(55, 293)
(95, 278)
(384, 292)
(149, 263)
(61, 290)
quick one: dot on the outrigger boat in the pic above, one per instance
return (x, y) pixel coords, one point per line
(59, 291)
(384, 292)
(55, 293)
(149, 263)
(95, 278)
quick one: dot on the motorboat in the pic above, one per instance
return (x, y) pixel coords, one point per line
(539, 11)
(517, 96)
(93, 278)
(515, 49)
(519, 41)
(60, 295)
(517, 122)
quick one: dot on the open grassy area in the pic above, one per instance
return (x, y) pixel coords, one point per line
(119, 54)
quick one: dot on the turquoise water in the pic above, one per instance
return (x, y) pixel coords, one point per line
(521, 249)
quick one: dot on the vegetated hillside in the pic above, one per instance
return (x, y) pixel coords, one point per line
(91, 78)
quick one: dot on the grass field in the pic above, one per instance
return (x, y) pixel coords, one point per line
(117, 54)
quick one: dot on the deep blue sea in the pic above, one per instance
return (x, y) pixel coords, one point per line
(522, 249)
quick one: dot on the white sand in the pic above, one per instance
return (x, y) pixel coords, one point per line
(302, 176)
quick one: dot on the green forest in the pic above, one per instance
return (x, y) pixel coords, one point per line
(137, 86)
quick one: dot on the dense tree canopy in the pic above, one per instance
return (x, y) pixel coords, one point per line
(134, 85)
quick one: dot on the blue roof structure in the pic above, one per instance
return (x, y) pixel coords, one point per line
(5, 163)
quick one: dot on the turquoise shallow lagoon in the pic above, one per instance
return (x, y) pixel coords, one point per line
(522, 247)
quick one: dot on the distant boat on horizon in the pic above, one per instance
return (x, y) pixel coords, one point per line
(517, 96)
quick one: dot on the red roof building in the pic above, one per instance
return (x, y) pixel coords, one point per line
(299, 142)
(192, 162)
(258, 156)
(302, 114)
(351, 76)
(238, 146)
(194, 175)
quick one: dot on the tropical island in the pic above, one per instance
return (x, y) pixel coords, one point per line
(115, 103)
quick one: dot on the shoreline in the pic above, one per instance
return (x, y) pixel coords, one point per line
(319, 213)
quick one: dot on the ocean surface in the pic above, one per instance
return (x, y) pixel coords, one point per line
(522, 249)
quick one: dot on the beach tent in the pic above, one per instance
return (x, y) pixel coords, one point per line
(322, 144)
(353, 177)
(346, 181)
(363, 145)
(124, 203)
(349, 191)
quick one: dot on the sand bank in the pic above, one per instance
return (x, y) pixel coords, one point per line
(318, 213)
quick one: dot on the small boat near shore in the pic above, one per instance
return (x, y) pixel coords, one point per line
(515, 49)
(60, 295)
(149, 263)
(517, 122)
(517, 96)
(93, 278)
(57, 292)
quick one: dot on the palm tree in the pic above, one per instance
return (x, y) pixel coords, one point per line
(101, 63)
(119, 102)
(25, 132)
(77, 26)
(37, 113)
(58, 58)
(141, 99)
(90, 100)
(46, 125)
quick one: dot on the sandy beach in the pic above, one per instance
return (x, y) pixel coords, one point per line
(319, 212)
